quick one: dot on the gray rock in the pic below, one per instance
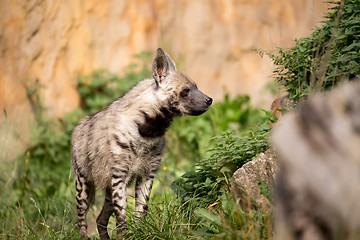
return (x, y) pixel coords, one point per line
(245, 186)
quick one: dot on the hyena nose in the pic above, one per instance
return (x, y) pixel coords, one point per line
(208, 101)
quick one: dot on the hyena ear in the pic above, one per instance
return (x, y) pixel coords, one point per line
(170, 61)
(162, 65)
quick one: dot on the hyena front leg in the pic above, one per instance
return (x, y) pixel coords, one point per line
(103, 219)
(84, 193)
(142, 193)
(118, 191)
(143, 189)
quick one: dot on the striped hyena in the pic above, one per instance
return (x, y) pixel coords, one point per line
(125, 141)
(317, 187)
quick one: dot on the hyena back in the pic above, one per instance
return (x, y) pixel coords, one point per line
(125, 141)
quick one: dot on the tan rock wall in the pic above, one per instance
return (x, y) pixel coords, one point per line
(57, 41)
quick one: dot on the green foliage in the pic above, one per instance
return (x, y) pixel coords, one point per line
(102, 87)
(184, 144)
(230, 221)
(37, 202)
(214, 172)
(168, 219)
(50, 152)
(37, 188)
(34, 210)
(265, 190)
(328, 56)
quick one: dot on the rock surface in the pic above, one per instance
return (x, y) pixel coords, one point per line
(246, 179)
(212, 41)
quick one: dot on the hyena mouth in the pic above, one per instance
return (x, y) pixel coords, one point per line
(197, 113)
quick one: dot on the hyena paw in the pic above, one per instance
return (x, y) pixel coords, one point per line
(83, 234)
(121, 234)
(122, 231)
(140, 214)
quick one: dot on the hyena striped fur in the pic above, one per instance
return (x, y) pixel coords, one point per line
(319, 155)
(125, 141)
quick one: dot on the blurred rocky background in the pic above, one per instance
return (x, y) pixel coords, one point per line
(214, 42)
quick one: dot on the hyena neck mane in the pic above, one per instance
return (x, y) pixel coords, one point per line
(155, 126)
(153, 115)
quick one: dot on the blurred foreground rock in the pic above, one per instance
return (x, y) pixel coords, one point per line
(319, 156)
(246, 180)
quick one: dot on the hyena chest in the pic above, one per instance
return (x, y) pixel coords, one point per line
(144, 155)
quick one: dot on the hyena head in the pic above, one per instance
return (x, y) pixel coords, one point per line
(180, 94)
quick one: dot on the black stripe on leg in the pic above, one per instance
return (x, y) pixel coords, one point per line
(115, 184)
(116, 205)
(82, 223)
(117, 196)
(78, 182)
(81, 201)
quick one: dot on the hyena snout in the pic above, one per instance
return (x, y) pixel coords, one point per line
(198, 104)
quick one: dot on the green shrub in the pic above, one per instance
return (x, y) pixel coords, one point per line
(331, 54)
(189, 138)
(167, 219)
(100, 88)
(229, 221)
(213, 173)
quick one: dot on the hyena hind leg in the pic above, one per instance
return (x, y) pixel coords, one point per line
(103, 219)
(85, 192)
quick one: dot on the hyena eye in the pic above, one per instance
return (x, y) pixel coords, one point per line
(185, 92)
